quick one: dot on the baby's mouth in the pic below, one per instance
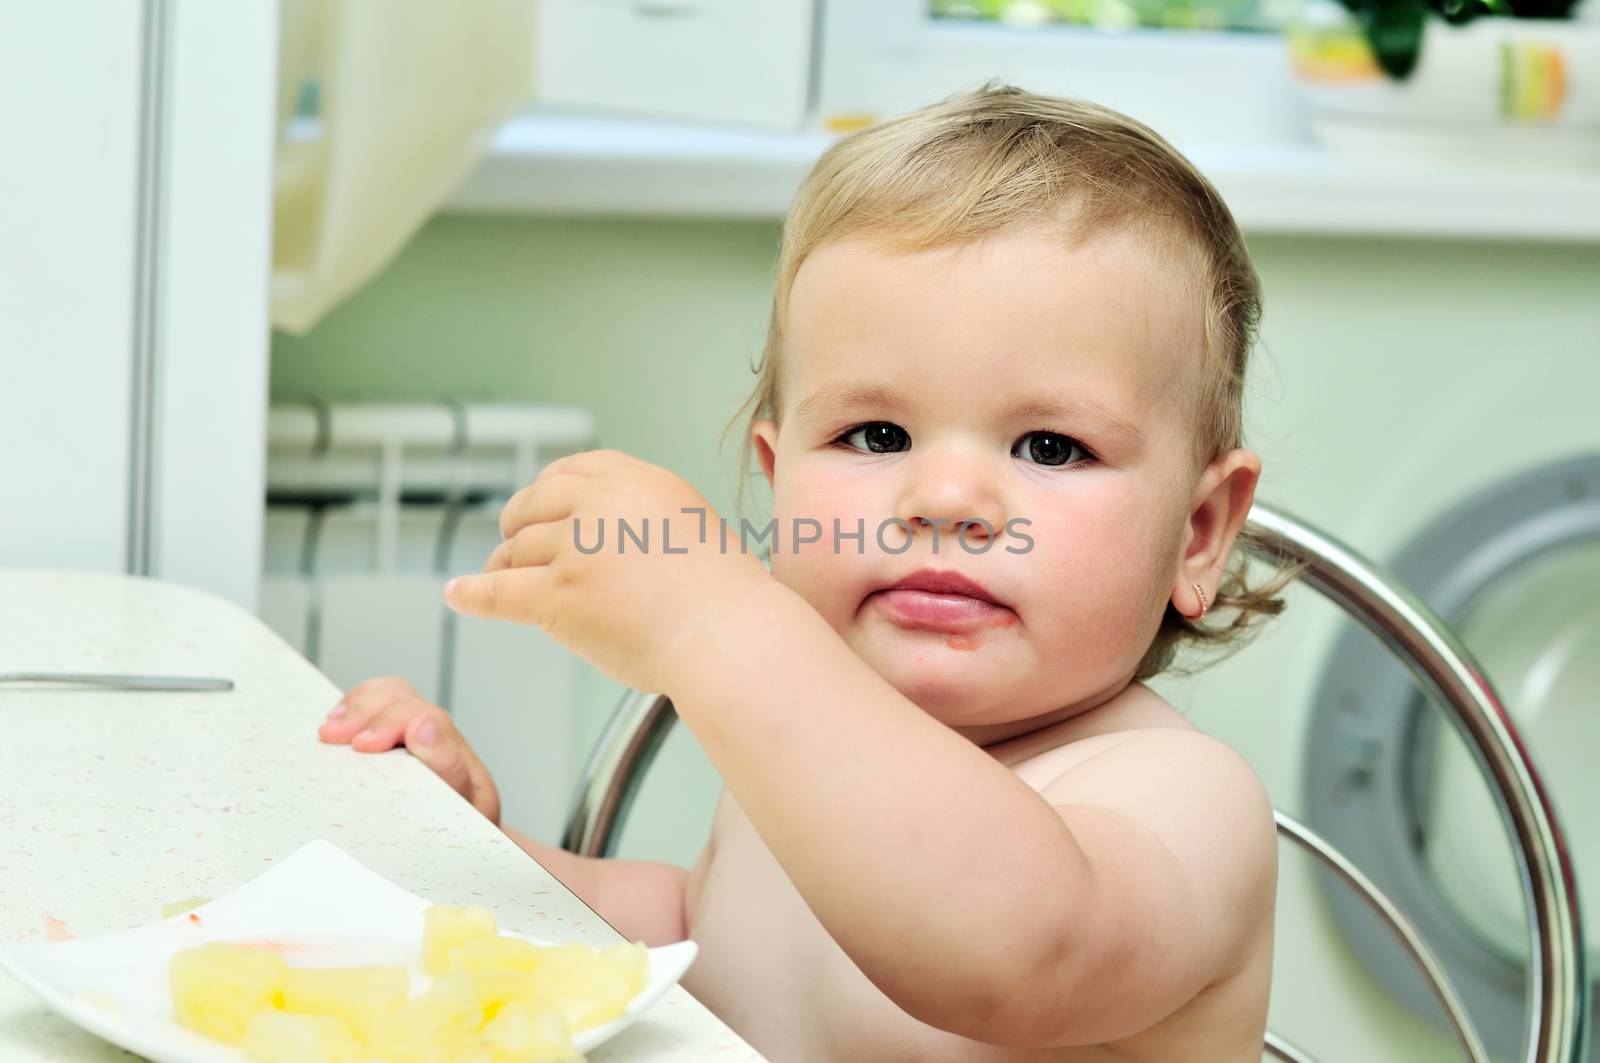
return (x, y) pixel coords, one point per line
(924, 610)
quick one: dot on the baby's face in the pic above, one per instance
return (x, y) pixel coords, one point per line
(903, 398)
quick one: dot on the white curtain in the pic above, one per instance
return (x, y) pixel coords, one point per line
(410, 92)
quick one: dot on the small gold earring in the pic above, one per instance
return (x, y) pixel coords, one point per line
(1201, 592)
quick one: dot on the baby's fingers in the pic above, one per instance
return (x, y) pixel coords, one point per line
(435, 741)
(387, 729)
(519, 594)
(343, 722)
(361, 705)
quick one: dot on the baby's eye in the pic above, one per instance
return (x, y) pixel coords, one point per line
(1052, 448)
(879, 437)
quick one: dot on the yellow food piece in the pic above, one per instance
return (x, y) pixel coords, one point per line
(525, 1033)
(631, 960)
(586, 989)
(440, 1026)
(485, 955)
(363, 997)
(493, 999)
(446, 927)
(217, 988)
(496, 989)
(279, 1037)
(591, 998)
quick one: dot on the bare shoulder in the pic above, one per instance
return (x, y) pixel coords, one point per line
(1179, 846)
(1192, 797)
(1159, 769)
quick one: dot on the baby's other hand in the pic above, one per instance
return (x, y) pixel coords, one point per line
(382, 713)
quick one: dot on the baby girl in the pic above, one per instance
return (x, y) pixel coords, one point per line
(1000, 415)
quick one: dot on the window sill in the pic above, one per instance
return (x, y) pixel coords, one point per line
(564, 164)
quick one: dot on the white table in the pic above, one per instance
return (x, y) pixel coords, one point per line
(113, 804)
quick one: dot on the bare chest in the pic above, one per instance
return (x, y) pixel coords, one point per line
(769, 969)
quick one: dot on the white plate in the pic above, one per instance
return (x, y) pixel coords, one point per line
(319, 904)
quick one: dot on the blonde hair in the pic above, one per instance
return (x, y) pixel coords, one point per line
(985, 161)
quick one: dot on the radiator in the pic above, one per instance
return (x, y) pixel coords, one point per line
(371, 508)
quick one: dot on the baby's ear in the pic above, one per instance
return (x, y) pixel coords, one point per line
(1222, 502)
(765, 435)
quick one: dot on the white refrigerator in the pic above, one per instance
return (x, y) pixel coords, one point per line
(135, 249)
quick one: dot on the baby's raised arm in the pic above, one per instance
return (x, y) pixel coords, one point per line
(976, 903)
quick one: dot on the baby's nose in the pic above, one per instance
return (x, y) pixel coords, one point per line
(952, 491)
(975, 515)
(972, 529)
(959, 537)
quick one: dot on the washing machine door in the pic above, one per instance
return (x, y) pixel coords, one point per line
(1515, 571)
(1536, 633)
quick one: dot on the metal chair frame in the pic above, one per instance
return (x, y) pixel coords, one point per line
(1558, 994)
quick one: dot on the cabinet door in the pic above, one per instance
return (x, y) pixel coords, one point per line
(743, 61)
(67, 239)
(135, 233)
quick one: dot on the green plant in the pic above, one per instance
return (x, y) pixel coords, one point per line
(1394, 27)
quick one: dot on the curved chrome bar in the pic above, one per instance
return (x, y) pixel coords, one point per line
(1278, 1048)
(1558, 994)
(611, 779)
(1443, 989)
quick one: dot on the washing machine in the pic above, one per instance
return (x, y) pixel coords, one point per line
(1476, 481)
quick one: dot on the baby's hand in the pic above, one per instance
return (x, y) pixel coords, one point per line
(630, 613)
(382, 713)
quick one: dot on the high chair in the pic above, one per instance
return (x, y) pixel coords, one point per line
(1558, 992)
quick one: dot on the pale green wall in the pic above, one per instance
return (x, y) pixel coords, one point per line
(653, 324)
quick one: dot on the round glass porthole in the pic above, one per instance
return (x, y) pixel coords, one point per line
(1515, 571)
(1536, 633)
